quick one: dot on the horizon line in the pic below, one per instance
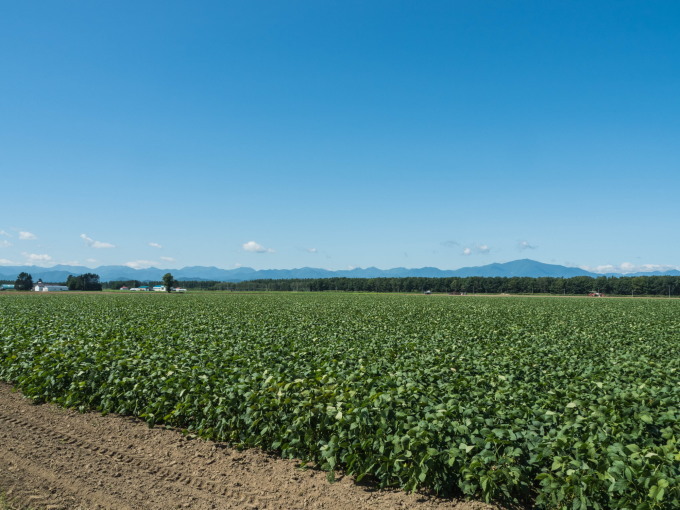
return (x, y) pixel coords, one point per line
(612, 269)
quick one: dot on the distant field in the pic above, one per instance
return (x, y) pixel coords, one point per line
(549, 401)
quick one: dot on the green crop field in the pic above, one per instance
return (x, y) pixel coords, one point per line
(557, 402)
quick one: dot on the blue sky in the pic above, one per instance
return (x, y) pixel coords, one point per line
(340, 134)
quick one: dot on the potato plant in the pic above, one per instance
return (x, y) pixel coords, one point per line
(553, 402)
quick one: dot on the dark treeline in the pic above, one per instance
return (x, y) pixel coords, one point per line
(87, 281)
(579, 285)
(117, 284)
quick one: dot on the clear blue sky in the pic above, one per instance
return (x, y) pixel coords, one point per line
(340, 134)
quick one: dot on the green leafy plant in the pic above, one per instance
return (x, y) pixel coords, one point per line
(558, 403)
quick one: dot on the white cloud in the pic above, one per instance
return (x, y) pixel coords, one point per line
(480, 248)
(627, 267)
(155, 245)
(5, 262)
(168, 259)
(140, 264)
(4, 243)
(6, 234)
(254, 247)
(312, 250)
(95, 244)
(90, 261)
(525, 245)
(27, 236)
(36, 258)
(604, 268)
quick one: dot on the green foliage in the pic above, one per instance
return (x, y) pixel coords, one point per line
(87, 281)
(578, 285)
(553, 402)
(168, 281)
(23, 282)
(117, 284)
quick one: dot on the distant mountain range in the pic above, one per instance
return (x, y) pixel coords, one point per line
(524, 267)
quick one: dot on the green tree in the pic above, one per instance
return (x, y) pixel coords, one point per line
(168, 281)
(74, 282)
(23, 282)
(91, 282)
(87, 281)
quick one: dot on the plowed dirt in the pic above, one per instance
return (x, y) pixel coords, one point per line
(55, 458)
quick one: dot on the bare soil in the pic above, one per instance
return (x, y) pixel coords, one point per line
(55, 458)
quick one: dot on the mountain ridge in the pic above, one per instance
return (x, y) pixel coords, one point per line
(516, 268)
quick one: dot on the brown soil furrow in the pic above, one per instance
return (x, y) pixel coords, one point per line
(47, 488)
(135, 461)
(160, 478)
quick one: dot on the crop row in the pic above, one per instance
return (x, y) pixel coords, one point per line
(561, 403)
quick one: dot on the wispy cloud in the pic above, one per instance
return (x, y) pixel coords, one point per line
(37, 258)
(140, 264)
(95, 244)
(155, 245)
(27, 236)
(5, 262)
(4, 243)
(627, 267)
(525, 245)
(312, 250)
(167, 259)
(91, 261)
(451, 244)
(4, 233)
(479, 249)
(254, 247)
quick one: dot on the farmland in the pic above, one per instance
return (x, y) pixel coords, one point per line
(548, 401)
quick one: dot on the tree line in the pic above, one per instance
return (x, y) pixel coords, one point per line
(578, 285)
(87, 281)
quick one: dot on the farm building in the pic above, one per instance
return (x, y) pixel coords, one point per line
(7, 286)
(159, 288)
(48, 287)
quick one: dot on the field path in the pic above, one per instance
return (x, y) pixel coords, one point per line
(55, 458)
